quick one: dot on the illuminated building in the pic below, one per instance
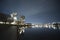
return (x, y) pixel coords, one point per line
(14, 17)
(5, 18)
(22, 20)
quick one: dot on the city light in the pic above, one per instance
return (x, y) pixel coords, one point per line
(22, 22)
(1, 22)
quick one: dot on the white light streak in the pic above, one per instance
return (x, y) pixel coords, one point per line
(1, 22)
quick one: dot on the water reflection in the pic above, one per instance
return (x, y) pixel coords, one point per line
(40, 34)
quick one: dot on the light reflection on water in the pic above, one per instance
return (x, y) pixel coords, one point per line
(41, 34)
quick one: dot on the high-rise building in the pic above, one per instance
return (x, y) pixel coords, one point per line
(14, 17)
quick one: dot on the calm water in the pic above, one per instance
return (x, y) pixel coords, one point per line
(10, 33)
(41, 34)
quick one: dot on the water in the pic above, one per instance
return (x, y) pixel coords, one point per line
(41, 34)
(8, 32)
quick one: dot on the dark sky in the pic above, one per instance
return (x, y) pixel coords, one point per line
(35, 11)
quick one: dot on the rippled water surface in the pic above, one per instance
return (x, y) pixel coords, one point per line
(41, 34)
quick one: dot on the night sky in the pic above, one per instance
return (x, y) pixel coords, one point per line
(35, 11)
